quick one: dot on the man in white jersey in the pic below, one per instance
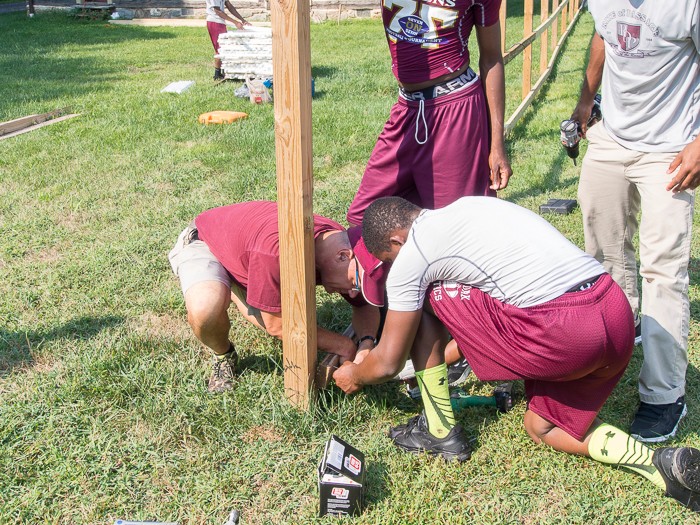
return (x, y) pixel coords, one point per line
(646, 157)
(522, 302)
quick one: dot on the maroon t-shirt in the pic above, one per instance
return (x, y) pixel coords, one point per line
(245, 239)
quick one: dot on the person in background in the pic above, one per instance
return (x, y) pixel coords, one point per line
(216, 24)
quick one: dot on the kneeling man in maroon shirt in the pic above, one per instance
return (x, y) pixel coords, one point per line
(231, 254)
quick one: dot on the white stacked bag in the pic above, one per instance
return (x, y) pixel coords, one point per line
(246, 52)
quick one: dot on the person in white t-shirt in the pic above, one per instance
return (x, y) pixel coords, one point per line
(522, 302)
(645, 156)
(216, 24)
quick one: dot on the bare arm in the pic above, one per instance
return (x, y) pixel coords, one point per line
(387, 358)
(493, 76)
(223, 15)
(365, 322)
(235, 13)
(271, 322)
(591, 82)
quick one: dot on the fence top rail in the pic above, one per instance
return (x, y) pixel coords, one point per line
(518, 48)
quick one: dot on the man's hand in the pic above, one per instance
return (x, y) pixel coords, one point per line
(360, 356)
(687, 162)
(238, 24)
(344, 377)
(581, 114)
(500, 168)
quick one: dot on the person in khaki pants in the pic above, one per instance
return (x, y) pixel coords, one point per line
(645, 157)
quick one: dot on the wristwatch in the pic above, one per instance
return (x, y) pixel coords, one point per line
(366, 338)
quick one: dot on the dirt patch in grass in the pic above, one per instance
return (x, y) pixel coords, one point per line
(269, 434)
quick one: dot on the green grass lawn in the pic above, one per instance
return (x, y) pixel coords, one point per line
(104, 412)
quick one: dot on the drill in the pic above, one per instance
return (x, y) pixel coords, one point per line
(571, 131)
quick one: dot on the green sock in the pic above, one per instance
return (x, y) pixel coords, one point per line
(436, 400)
(613, 446)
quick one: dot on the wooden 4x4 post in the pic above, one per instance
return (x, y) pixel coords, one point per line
(291, 64)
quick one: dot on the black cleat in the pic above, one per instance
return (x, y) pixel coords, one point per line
(680, 468)
(416, 438)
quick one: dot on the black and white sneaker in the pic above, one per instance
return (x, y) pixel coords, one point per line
(637, 331)
(416, 438)
(458, 372)
(398, 429)
(657, 423)
(680, 468)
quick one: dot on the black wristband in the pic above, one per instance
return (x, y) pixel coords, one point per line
(366, 338)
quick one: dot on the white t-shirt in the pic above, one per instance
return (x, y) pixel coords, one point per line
(211, 14)
(504, 250)
(651, 78)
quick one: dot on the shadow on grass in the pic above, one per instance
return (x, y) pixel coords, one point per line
(17, 347)
(34, 60)
(551, 180)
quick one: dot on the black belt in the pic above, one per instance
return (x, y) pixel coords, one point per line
(585, 285)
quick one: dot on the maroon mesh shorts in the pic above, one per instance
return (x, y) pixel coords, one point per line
(571, 351)
(453, 162)
(215, 29)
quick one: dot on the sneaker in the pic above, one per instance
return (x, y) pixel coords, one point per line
(637, 331)
(416, 438)
(680, 468)
(657, 423)
(413, 392)
(398, 429)
(458, 372)
(223, 372)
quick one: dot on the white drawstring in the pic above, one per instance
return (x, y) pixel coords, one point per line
(419, 117)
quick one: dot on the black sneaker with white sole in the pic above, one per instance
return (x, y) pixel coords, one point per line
(657, 423)
(638, 332)
(416, 438)
(680, 468)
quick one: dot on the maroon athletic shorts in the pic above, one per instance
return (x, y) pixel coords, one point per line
(453, 162)
(215, 29)
(571, 351)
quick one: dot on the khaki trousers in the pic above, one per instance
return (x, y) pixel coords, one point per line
(616, 184)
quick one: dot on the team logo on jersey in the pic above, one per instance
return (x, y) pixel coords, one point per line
(413, 26)
(451, 288)
(628, 35)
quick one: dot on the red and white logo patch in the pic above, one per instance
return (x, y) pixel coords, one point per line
(628, 35)
(340, 493)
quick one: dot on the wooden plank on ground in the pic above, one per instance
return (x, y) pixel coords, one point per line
(30, 120)
(291, 62)
(37, 126)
